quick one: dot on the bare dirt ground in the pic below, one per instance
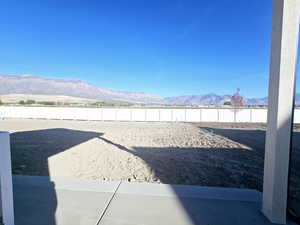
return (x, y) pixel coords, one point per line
(208, 154)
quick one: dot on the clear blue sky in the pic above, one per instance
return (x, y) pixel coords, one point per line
(169, 48)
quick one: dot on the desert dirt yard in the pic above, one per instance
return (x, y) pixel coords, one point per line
(207, 154)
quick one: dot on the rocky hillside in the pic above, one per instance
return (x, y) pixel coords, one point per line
(43, 86)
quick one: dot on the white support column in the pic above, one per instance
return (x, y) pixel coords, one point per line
(285, 31)
(6, 187)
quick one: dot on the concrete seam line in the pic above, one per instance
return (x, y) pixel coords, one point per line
(108, 203)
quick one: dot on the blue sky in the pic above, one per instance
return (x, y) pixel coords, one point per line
(167, 48)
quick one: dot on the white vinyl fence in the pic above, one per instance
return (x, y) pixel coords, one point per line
(143, 114)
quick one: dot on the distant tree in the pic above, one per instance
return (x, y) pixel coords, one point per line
(111, 104)
(237, 100)
(46, 103)
(30, 102)
(22, 102)
(103, 104)
(1, 103)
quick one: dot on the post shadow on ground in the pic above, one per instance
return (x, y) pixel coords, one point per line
(30, 152)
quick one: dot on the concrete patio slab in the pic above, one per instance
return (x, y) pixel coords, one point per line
(64, 201)
(39, 201)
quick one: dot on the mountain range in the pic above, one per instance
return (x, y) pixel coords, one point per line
(35, 85)
(28, 84)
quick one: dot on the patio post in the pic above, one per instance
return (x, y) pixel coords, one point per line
(285, 31)
(6, 187)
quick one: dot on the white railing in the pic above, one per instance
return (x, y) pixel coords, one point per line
(255, 115)
(6, 188)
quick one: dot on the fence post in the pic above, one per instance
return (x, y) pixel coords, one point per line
(200, 114)
(102, 118)
(234, 115)
(159, 115)
(6, 187)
